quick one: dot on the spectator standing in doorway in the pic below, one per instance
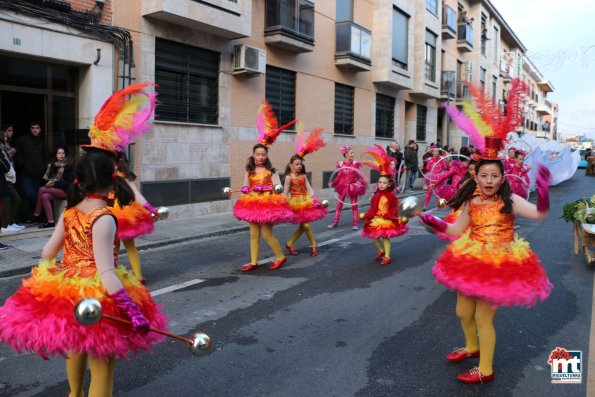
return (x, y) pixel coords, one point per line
(30, 161)
(12, 201)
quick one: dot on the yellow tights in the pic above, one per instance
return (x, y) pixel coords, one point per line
(134, 258)
(102, 375)
(267, 233)
(303, 228)
(477, 321)
(383, 245)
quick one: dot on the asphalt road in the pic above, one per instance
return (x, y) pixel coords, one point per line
(338, 324)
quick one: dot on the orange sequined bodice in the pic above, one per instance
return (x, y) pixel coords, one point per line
(488, 224)
(383, 206)
(78, 257)
(260, 179)
(297, 187)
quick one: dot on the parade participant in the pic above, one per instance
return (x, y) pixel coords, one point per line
(489, 266)
(134, 220)
(303, 202)
(348, 183)
(519, 175)
(39, 316)
(382, 221)
(455, 172)
(260, 205)
(431, 173)
(510, 162)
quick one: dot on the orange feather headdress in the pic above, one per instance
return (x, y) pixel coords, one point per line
(124, 116)
(308, 144)
(381, 162)
(268, 126)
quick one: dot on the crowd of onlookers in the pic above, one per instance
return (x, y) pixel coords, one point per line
(28, 184)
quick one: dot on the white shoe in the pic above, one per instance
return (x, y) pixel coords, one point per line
(354, 228)
(16, 227)
(6, 230)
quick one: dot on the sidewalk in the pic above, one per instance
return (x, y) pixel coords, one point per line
(25, 247)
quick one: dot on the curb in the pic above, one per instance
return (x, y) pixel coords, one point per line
(159, 244)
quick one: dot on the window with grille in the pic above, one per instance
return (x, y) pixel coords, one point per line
(385, 116)
(280, 93)
(420, 130)
(187, 81)
(343, 109)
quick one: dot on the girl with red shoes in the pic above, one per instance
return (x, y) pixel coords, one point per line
(303, 202)
(261, 205)
(432, 172)
(488, 266)
(382, 221)
(348, 183)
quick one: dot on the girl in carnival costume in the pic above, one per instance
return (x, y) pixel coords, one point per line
(135, 219)
(382, 220)
(520, 181)
(349, 182)
(432, 173)
(456, 173)
(260, 205)
(39, 316)
(489, 266)
(303, 202)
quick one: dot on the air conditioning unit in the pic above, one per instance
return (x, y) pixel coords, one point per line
(249, 60)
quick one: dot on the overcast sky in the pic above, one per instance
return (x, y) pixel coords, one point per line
(560, 40)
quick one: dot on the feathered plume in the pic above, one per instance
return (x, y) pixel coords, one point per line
(124, 116)
(308, 144)
(267, 124)
(482, 127)
(514, 108)
(381, 161)
(487, 108)
(466, 125)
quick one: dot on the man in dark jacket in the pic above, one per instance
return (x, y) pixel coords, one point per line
(30, 162)
(411, 163)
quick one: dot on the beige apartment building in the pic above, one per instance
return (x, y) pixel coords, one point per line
(366, 71)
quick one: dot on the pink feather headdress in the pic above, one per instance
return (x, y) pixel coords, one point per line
(125, 115)
(308, 144)
(381, 162)
(484, 123)
(268, 126)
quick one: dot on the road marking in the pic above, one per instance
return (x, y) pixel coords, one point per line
(176, 286)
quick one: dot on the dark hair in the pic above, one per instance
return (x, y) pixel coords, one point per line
(391, 181)
(251, 164)
(123, 167)
(2, 136)
(465, 151)
(468, 188)
(6, 126)
(518, 153)
(291, 160)
(95, 171)
(53, 167)
(32, 123)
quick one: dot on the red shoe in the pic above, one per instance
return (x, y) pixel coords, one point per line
(386, 261)
(474, 376)
(142, 281)
(379, 256)
(461, 354)
(249, 267)
(314, 251)
(291, 250)
(278, 263)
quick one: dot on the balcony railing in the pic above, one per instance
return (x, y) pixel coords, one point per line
(462, 90)
(294, 18)
(353, 40)
(447, 84)
(465, 34)
(449, 19)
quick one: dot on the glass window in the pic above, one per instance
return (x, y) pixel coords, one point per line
(187, 82)
(344, 10)
(23, 73)
(430, 56)
(420, 130)
(353, 39)
(294, 15)
(343, 109)
(280, 93)
(385, 116)
(495, 40)
(64, 78)
(432, 6)
(400, 38)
